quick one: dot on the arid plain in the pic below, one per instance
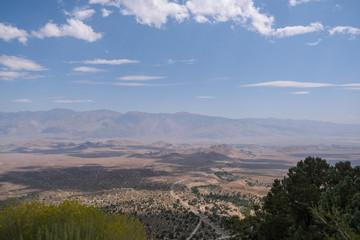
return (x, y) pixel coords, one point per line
(177, 191)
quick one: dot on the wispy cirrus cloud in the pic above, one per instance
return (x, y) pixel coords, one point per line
(19, 63)
(129, 84)
(297, 2)
(185, 61)
(8, 32)
(15, 67)
(350, 85)
(87, 69)
(139, 78)
(314, 43)
(10, 75)
(293, 84)
(22, 100)
(111, 62)
(300, 93)
(98, 61)
(72, 101)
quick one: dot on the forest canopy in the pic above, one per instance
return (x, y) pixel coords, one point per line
(314, 201)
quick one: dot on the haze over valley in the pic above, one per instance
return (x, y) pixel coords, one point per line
(184, 184)
(176, 128)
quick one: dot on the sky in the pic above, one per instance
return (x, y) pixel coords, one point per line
(288, 59)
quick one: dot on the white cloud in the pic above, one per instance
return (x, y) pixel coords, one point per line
(114, 3)
(22, 100)
(8, 32)
(201, 19)
(345, 30)
(81, 13)
(139, 78)
(10, 75)
(351, 85)
(148, 12)
(300, 93)
(186, 61)
(105, 12)
(110, 62)
(293, 84)
(19, 63)
(156, 13)
(205, 97)
(72, 101)
(138, 84)
(314, 43)
(240, 11)
(296, 30)
(87, 69)
(129, 84)
(290, 84)
(74, 28)
(296, 2)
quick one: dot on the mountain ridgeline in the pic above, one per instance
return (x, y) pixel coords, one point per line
(105, 124)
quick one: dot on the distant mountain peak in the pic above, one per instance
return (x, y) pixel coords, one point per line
(177, 127)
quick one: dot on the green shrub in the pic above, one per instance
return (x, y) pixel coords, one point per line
(70, 220)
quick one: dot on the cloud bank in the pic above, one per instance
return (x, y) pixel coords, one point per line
(157, 12)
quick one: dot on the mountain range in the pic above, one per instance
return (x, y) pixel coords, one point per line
(176, 127)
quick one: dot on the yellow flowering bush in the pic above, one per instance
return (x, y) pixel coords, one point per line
(70, 220)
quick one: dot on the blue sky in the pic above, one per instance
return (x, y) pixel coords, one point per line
(292, 59)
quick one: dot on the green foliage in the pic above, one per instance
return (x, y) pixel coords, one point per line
(69, 220)
(334, 222)
(195, 190)
(314, 201)
(223, 175)
(235, 200)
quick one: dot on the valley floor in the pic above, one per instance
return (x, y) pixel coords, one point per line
(176, 191)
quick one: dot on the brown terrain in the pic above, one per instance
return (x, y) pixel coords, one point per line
(177, 191)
